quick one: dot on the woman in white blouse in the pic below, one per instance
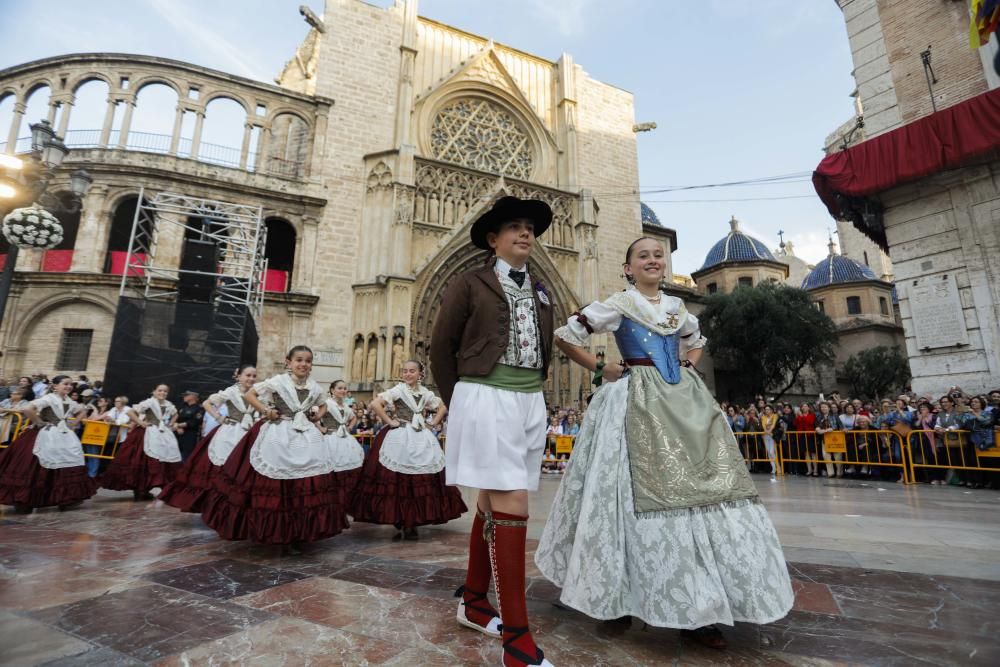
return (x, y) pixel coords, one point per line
(657, 516)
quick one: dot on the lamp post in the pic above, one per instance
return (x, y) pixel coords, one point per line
(27, 181)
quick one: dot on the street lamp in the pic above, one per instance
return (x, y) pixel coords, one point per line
(35, 226)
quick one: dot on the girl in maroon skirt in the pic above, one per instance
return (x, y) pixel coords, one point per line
(402, 482)
(44, 467)
(347, 452)
(194, 480)
(149, 457)
(278, 485)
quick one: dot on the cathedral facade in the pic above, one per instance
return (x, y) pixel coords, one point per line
(386, 136)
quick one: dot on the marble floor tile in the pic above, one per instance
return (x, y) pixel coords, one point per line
(150, 622)
(288, 642)
(56, 582)
(224, 579)
(330, 602)
(25, 642)
(97, 657)
(814, 597)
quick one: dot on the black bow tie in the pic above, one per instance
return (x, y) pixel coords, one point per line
(517, 277)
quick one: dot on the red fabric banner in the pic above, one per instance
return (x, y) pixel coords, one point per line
(944, 140)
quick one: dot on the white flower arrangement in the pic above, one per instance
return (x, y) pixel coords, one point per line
(32, 227)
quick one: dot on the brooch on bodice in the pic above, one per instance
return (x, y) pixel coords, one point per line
(672, 321)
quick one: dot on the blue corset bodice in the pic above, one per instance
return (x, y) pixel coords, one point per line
(637, 342)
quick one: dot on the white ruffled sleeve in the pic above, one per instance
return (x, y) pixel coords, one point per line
(265, 390)
(690, 334)
(143, 407)
(390, 396)
(218, 398)
(593, 319)
(40, 404)
(432, 402)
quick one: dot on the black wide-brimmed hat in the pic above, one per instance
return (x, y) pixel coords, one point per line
(507, 209)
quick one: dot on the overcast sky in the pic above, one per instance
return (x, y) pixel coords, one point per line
(739, 90)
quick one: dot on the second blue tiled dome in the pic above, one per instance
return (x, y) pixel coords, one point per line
(836, 269)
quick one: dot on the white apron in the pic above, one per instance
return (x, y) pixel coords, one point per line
(229, 434)
(159, 442)
(347, 453)
(57, 446)
(292, 448)
(411, 449)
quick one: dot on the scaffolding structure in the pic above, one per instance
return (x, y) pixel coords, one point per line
(165, 334)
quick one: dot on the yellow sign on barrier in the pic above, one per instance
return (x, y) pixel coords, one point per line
(994, 451)
(564, 444)
(95, 433)
(835, 442)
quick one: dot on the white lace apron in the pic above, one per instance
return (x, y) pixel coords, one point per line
(411, 449)
(345, 450)
(57, 446)
(291, 448)
(159, 442)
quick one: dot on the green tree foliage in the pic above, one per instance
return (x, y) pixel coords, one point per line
(766, 335)
(877, 372)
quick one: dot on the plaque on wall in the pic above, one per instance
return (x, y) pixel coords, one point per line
(328, 357)
(936, 308)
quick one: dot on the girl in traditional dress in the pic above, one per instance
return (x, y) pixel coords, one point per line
(348, 454)
(44, 466)
(187, 493)
(278, 486)
(150, 456)
(403, 481)
(657, 516)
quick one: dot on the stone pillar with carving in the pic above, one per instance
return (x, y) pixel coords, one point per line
(402, 229)
(109, 118)
(566, 113)
(315, 169)
(303, 274)
(588, 275)
(65, 101)
(92, 237)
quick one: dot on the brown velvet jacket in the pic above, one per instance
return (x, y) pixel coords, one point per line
(473, 327)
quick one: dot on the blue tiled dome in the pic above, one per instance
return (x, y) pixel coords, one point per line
(736, 247)
(648, 216)
(837, 269)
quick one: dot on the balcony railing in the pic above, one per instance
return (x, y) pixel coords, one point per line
(147, 142)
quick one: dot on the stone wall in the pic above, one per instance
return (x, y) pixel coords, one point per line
(949, 224)
(872, 66)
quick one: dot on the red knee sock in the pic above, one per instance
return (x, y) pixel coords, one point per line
(477, 580)
(507, 555)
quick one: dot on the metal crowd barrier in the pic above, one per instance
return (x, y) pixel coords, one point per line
(103, 436)
(754, 449)
(870, 449)
(949, 450)
(12, 424)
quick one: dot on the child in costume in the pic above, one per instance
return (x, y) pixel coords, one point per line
(657, 516)
(490, 353)
(150, 456)
(403, 481)
(335, 425)
(194, 480)
(277, 486)
(44, 466)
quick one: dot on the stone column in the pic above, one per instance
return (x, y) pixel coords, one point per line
(199, 122)
(126, 122)
(175, 137)
(67, 106)
(168, 241)
(53, 109)
(109, 118)
(91, 238)
(566, 105)
(262, 163)
(245, 147)
(15, 126)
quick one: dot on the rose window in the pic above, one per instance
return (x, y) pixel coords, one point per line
(480, 134)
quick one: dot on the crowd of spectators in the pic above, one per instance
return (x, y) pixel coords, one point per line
(948, 431)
